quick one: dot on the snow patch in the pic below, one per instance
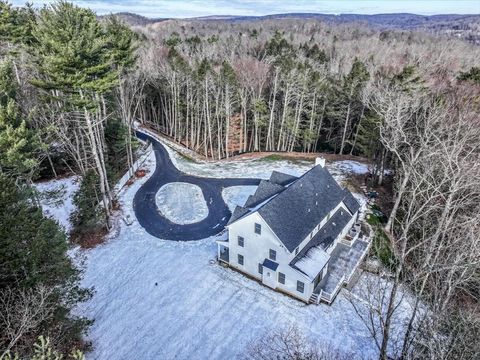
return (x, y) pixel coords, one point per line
(351, 166)
(60, 207)
(313, 262)
(181, 203)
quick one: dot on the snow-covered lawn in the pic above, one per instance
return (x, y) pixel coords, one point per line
(61, 206)
(349, 166)
(237, 195)
(160, 299)
(181, 203)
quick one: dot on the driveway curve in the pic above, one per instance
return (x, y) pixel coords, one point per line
(155, 224)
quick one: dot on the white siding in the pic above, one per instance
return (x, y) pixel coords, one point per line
(257, 246)
(256, 249)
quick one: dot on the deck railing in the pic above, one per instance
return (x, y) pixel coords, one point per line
(328, 297)
(360, 259)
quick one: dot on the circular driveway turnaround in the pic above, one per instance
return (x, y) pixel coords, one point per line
(181, 203)
(145, 208)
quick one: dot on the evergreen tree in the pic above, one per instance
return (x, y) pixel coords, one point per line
(77, 71)
(35, 251)
(408, 80)
(33, 254)
(72, 55)
(87, 216)
(116, 139)
(19, 146)
(120, 44)
(16, 23)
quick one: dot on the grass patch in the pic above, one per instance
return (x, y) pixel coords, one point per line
(273, 157)
(280, 157)
(382, 250)
(187, 158)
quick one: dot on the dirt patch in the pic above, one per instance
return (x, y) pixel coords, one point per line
(90, 239)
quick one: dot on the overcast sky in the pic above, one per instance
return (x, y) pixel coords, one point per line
(192, 8)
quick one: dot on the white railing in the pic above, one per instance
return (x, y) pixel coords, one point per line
(123, 181)
(328, 297)
(360, 259)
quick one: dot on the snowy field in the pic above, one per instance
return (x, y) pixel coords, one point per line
(160, 299)
(181, 203)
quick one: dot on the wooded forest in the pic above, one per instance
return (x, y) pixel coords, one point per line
(73, 86)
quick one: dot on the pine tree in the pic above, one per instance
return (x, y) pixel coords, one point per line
(76, 70)
(33, 254)
(121, 43)
(87, 216)
(353, 84)
(16, 23)
(19, 146)
(33, 248)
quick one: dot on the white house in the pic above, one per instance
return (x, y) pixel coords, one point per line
(300, 236)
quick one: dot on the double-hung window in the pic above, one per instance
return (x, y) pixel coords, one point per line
(281, 278)
(258, 229)
(300, 286)
(272, 255)
(241, 241)
(240, 259)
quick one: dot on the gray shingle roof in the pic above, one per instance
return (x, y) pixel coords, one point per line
(238, 212)
(294, 212)
(327, 234)
(281, 178)
(351, 203)
(265, 190)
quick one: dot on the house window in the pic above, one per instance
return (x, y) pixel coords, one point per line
(281, 278)
(240, 259)
(258, 228)
(260, 268)
(300, 286)
(241, 241)
(296, 251)
(272, 255)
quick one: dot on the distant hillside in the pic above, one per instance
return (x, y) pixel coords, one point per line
(466, 27)
(135, 19)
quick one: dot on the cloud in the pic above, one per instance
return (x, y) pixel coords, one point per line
(193, 8)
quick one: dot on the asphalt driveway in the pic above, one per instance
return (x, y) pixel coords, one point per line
(166, 172)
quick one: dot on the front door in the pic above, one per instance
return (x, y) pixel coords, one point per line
(269, 277)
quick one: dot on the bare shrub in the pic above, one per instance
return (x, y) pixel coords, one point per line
(290, 343)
